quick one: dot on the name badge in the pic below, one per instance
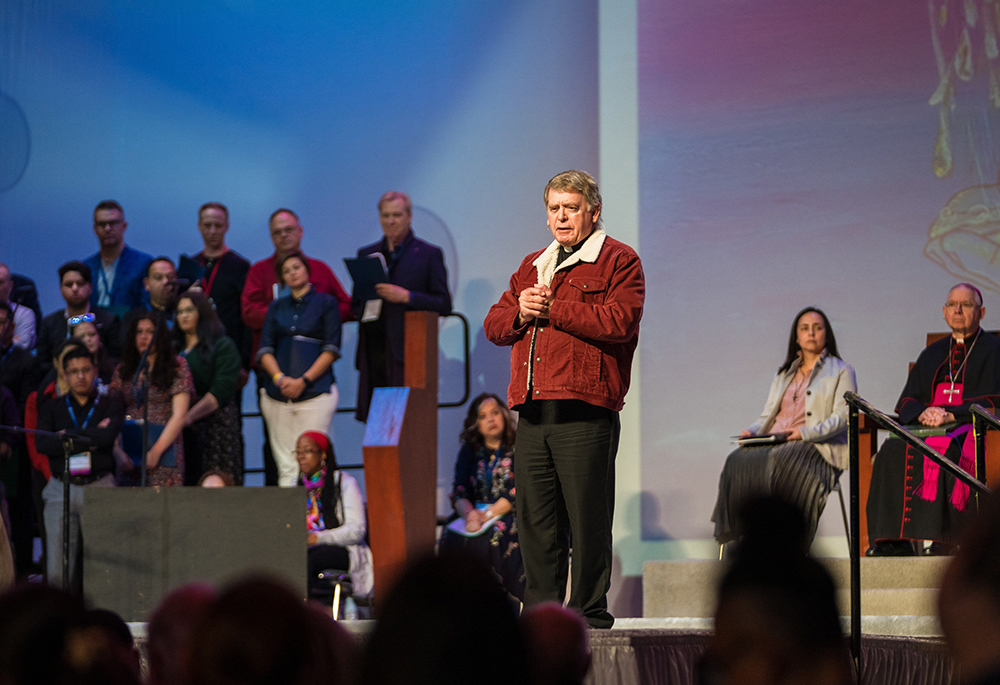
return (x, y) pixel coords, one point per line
(945, 395)
(373, 309)
(79, 464)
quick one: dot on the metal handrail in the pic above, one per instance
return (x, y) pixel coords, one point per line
(856, 405)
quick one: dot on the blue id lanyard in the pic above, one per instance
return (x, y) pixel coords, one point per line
(72, 414)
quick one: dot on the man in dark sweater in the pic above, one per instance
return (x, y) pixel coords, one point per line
(96, 418)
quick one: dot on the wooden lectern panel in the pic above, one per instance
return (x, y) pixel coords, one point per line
(400, 453)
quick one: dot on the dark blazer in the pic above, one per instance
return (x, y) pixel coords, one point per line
(420, 269)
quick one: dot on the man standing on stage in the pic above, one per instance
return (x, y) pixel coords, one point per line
(118, 269)
(86, 413)
(225, 273)
(417, 281)
(572, 318)
(911, 499)
(262, 288)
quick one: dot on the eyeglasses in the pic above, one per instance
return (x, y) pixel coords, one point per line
(107, 225)
(296, 453)
(83, 318)
(187, 310)
(961, 305)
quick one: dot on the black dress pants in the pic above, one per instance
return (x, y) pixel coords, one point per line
(565, 475)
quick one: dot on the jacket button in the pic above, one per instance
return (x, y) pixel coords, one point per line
(538, 359)
(537, 391)
(524, 364)
(584, 285)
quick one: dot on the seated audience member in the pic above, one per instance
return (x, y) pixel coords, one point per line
(224, 275)
(160, 286)
(969, 601)
(556, 638)
(215, 479)
(76, 287)
(806, 401)
(117, 268)
(335, 649)
(98, 418)
(169, 386)
(19, 370)
(171, 628)
(262, 287)
(24, 319)
(471, 617)
(776, 619)
(115, 628)
(418, 280)
(213, 432)
(46, 636)
(911, 498)
(300, 342)
(483, 488)
(258, 631)
(335, 515)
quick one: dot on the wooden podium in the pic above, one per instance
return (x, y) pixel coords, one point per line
(400, 453)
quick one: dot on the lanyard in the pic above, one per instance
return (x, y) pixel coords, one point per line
(207, 282)
(102, 280)
(72, 414)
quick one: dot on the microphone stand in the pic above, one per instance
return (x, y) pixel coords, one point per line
(67, 441)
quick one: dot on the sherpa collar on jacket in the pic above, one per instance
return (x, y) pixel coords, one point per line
(545, 263)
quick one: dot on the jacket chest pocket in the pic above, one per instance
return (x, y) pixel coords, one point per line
(583, 288)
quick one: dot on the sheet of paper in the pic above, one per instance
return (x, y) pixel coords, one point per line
(373, 309)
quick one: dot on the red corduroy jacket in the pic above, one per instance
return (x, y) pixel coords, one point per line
(584, 349)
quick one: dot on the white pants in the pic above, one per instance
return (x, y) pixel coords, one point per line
(286, 421)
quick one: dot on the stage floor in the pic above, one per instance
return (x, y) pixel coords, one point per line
(626, 655)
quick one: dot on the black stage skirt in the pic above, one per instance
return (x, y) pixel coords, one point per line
(902, 507)
(795, 471)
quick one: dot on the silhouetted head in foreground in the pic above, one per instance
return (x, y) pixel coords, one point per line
(446, 620)
(777, 619)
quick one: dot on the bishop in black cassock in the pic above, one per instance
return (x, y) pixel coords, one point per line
(911, 498)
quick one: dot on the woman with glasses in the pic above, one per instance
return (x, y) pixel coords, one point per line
(213, 436)
(335, 515)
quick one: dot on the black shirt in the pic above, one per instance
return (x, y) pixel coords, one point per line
(54, 416)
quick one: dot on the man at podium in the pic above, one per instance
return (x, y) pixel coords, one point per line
(572, 317)
(911, 498)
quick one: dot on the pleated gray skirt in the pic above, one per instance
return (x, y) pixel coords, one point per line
(793, 470)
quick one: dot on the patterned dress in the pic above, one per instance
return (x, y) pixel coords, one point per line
(483, 476)
(160, 410)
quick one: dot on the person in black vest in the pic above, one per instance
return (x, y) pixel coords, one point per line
(418, 281)
(75, 286)
(81, 412)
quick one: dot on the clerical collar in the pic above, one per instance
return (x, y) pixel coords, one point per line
(961, 341)
(573, 248)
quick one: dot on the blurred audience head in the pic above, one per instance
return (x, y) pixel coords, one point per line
(258, 632)
(556, 639)
(777, 619)
(969, 601)
(46, 636)
(440, 622)
(170, 630)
